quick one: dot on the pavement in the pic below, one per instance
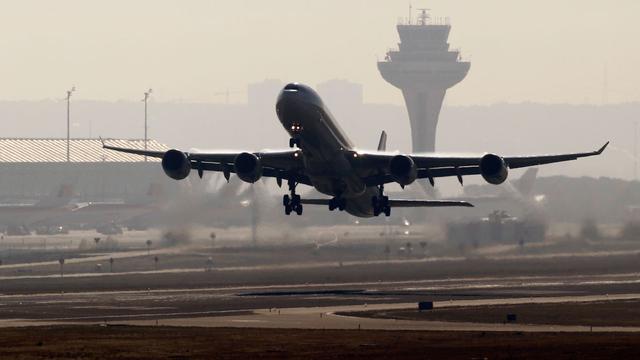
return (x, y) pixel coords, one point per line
(327, 317)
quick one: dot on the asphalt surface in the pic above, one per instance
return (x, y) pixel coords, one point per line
(285, 286)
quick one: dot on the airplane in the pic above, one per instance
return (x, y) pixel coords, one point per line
(514, 196)
(19, 218)
(322, 156)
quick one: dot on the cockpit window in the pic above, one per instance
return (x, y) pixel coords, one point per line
(292, 86)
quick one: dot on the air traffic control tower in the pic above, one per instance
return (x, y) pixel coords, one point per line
(424, 68)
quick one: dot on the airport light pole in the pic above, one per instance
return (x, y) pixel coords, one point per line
(635, 150)
(69, 92)
(147, 94)
(61, 262)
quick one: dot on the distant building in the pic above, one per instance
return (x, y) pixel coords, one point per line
(341, 94)
(264, 93)
(32, 168)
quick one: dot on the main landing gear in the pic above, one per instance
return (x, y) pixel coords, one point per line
(292, 202)
(380, 203)
(337, 203)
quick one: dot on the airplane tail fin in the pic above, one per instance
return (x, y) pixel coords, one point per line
(524, 185)
(382, 144)
(60, 196)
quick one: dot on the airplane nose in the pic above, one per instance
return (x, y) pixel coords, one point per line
(298, 95)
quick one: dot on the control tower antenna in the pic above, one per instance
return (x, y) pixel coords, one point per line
(423, 68)
(424, 16)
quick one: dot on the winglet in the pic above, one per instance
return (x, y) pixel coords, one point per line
(102, 141)
(602, 148)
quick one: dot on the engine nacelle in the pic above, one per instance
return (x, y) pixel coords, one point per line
(493, 169)
(176, 164)
(248, 167)
(403, 169)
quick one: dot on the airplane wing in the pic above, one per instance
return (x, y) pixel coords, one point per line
(431, 166)
(280, 164)
(149, 153)
(287, 164)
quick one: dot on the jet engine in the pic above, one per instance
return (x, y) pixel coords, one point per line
(493, 169)
(403, 169)
(176, 164)
(248, 167)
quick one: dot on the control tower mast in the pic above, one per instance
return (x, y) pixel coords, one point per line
(424, 68)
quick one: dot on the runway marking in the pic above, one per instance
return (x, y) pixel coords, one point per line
(246, 321)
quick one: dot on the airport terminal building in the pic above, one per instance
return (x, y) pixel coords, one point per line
(35, 168)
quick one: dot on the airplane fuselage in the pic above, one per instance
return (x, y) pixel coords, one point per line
(329, 158)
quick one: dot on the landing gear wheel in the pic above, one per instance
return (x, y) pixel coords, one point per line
(337, 202)
(380, 204)
(342, 204)
(334, 203)
(293, 142)
(375, 206)
(292, 203)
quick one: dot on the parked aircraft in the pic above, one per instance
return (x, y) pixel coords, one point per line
(19, 218)
(327, 160)
(513, 194)
(516, 197)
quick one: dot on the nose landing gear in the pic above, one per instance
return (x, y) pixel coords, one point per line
(294, 142)
(380, 203)
(292, 203)
(296, 129)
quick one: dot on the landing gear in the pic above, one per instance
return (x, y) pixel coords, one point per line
(292, 203)
(337, 203)
(296, 129)
(380, 203)
(294, 142)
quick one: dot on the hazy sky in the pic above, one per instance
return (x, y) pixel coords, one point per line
(542, 51)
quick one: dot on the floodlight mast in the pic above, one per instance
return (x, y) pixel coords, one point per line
(147, 94)
(69, 92)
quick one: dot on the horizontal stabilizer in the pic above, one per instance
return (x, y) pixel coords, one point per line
(401, 203)
(428, 203)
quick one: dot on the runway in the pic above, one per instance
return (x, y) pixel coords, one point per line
(328, 317)
(343, 287)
